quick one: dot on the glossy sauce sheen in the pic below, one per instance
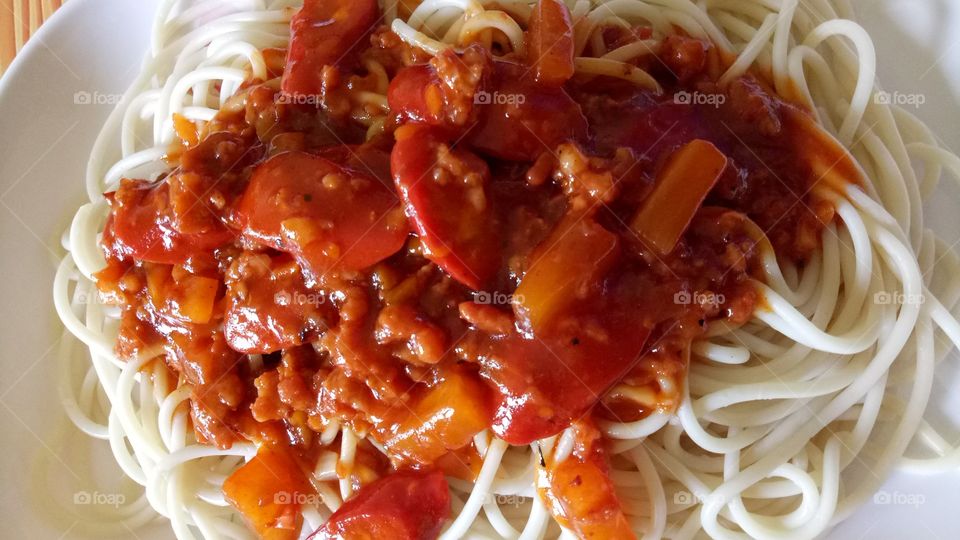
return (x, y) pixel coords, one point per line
(481, 264)
(403, 505)
(579, 491)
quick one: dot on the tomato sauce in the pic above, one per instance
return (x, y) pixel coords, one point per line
(482, 263)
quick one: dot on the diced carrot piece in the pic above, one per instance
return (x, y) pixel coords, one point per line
(682, 185)
(268, 491)
(577, 254)
(580, 493)
(550, 47)
(444, 418)
(185, 129)
(195, 298)
(188, 297)
(157, 277)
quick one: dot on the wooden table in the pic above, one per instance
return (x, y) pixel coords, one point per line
(19, 19)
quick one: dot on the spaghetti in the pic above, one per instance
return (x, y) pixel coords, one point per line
(785, 423)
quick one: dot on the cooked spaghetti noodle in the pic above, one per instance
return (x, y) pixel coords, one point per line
(783, 426)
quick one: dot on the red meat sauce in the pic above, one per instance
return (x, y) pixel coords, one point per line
(481, 263)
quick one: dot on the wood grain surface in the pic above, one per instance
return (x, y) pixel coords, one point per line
(20, 19)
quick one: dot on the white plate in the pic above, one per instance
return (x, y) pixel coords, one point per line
(52, 102)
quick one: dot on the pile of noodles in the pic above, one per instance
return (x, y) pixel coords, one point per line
(786, 425)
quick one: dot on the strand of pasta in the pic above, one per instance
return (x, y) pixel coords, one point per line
(777, 425)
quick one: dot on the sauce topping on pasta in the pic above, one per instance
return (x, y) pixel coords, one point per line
(516, 245)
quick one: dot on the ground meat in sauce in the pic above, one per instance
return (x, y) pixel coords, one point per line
(278, 359)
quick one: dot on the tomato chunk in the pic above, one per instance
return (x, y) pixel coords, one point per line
(580, 493)
(568, 264)
(546, 383)
(443, 92)
(682, 185)
(143, 226)
(407, 505)
(444, 418)
(446, 198)
(270, 307)
(509, 114)
(519, 119)
(582, 331)
(550, 45)
(267, 491)
(331, 218)
(324, 33)
(415, 93)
